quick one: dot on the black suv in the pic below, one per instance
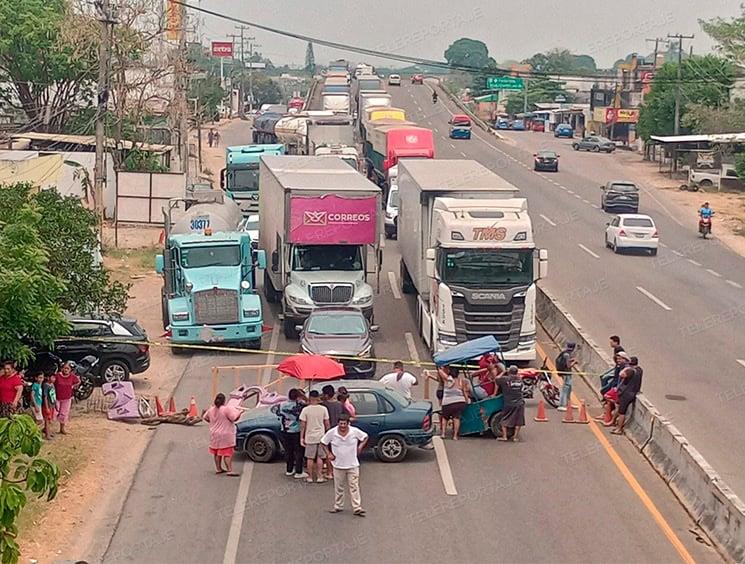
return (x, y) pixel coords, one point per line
(620, 196)
(119, 343)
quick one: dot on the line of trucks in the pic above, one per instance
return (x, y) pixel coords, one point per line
(468, 254)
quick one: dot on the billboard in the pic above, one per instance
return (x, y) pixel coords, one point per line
(621, 115)
(222, 48)
(333, 220)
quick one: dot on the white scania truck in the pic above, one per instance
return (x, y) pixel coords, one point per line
(468, 253)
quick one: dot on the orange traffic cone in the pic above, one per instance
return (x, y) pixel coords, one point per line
(158, 407)
(541, 417)
(171, 406)
(569, 415)
(193, 412)
(582, 413)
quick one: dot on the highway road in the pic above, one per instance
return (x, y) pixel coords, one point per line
(567, 493)
(681, 312)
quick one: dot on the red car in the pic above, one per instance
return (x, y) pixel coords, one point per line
(539, 126)
(417, 79)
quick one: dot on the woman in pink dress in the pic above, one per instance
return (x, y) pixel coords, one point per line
(221, 419)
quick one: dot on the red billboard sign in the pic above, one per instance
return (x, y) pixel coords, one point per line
(222, 49)
(621, 115)
(331, 219)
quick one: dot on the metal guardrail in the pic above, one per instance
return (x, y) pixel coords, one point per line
(311, 93)
(466, 110)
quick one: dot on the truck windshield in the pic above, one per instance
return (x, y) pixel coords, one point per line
(311, 258)
(351, 161)
(244, 180)
(485, 268)
(201, 257)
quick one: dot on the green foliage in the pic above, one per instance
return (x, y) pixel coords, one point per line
(740, 165)
(209, 95)
(310, 59)
(729, 35)
(705, 81)
(30, 294)
(138, 160)
(540, 90)
(561, 61)
(22, 471)
(69, 238)
(48, 55)
(265, 90)
(470, 53)
(729, 118)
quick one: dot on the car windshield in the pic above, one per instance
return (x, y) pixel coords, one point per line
(623, 187)
(337, 324)
(245, 180)
(200, 257)
(351, 161)
(393, 200)
(485, 268)
(547, 154)
(637, 222)
(310, 258)
(603, 140)
(252, 223)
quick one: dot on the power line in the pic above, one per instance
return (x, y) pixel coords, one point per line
(581, 77)
(678, 88)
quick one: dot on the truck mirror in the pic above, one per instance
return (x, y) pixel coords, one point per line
(298, 328)
(222, 179)
(430, 263)
(260, 258)
(602, 187)
(275, 261)
(160, 264)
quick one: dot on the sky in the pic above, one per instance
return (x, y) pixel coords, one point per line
(512, 30)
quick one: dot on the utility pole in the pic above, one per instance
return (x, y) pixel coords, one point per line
(241, 96)
(180, 84)
(525, 95)
(678, 90)
(198, 122)
(251, 46)
(104, 64)
(657, 41)
(233, 37)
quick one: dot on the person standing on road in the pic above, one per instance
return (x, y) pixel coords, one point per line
(289, 420)
(211, 137)
(565, 362)
(65, 383)
(342, 445)
(217, 138)
(221, 419)
(346, 403)
(314, 422)
(454, 401)
(400, 380)
(49, 404)
(513, 414)
(11, 388)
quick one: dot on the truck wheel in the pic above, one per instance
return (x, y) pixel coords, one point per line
(289, 328)
(407, 287)
(269, 292)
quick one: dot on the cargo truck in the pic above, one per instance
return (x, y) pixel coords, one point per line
(378, 99)
(263, 127)
(467, 252)
(208, 267)
(325, 131)
(240, 177)
(367, 83)
(318, 220)
(349, 155)
(337, 102)
(385, 144)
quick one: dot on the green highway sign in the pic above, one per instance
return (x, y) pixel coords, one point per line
(504, 83)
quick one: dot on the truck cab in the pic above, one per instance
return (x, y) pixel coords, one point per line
(240, 177)
(349, 155)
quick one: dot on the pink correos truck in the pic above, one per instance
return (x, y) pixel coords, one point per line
(318, 220)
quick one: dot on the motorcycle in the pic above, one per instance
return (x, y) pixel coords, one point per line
(434, 97)
(541, 379)
(53, 364)
(704, 226)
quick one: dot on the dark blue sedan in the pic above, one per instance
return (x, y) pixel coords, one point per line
(564, 130)
(393, 423)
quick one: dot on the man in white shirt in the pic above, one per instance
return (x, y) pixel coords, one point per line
(342, 445)
(399, 380)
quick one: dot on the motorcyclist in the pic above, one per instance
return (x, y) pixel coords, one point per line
(705, 212)
(434, 97)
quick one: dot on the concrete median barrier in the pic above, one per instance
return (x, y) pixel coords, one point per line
(709, 501)
(466, 110)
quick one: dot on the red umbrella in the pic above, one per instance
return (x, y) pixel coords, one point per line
(311, 367)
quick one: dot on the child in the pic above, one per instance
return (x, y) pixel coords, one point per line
(37, 398)
(49, 402)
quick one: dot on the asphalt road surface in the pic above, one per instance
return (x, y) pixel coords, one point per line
(566, 493)
(681, 312)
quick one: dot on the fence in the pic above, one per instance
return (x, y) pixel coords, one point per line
(140, 196)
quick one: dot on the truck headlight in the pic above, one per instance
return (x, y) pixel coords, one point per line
(251, 313)
(181, 316)
(362, 300)
(447, 339)
(299, 300)
(188, 286)
(245, 285)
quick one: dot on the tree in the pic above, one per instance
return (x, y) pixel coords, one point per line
(265, 90)
(469, 53)
(30, 294)
(22, 471)
(310, 59)
(729, 118)
(208, 94)
(539, 90)
(49, 57)
(705, 81)
(69, 238)
(561, 61)
(729, 35)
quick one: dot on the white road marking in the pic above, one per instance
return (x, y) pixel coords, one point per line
(654, 298)
(236, 523)
(570, 191)
(733, 283)
(578, 196)
(411, 345)
(677, 253)
(713, 272)
(547, 220)
(436, 130)
(453, 146)
(597, 207)
(442, 462)
(742, 362)
(394, 285)
(663, 245)
(588, 251)
(693, 262)
(586, 201)
(462, 153)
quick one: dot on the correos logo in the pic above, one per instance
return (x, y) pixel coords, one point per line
(326, 218)
(411, 139)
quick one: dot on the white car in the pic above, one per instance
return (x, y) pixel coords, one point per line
(252, 227)
(391, 213)
(632, 231)
(394, 80)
